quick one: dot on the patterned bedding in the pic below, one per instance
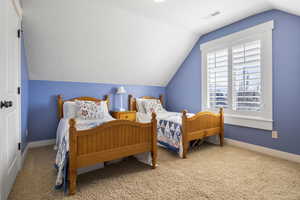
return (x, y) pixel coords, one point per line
(168, 129)
(169, 135)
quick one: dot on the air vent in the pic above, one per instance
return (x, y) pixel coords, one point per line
(213, 14)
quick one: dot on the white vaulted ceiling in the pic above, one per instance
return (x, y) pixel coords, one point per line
(124, 41)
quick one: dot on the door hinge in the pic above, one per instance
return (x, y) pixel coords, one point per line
(20, 31)
(19, 90)
(19, 146)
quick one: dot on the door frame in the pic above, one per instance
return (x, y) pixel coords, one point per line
(17, 8)
(19, 12)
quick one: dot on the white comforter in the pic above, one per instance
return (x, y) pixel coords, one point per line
(170, 116)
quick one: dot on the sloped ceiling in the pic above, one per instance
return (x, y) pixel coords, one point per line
(124, 41)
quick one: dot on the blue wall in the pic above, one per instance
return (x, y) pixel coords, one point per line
(184, 90)
(43, 105)
(24, 95)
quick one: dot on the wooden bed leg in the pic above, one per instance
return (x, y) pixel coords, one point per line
(221, 135)
(185, 142)
(221, 139)
(72, 184)
(154, 140)
(72, 158)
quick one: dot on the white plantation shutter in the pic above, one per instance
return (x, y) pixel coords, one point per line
(237, 75)
(246, 76)
(217, 65)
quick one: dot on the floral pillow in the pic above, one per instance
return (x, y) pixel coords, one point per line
(153, 105)
(90, 110)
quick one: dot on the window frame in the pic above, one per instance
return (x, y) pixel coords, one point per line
(262, 119)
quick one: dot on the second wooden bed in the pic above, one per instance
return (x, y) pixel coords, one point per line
(201, 125)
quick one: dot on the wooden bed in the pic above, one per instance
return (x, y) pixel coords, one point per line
(110, 141)
(202, 125)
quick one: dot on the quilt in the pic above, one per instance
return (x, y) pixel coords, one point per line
(168, 129)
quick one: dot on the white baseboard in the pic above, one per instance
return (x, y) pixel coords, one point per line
(35, 144)
(264, 150)
(41, 143)
(24, 154)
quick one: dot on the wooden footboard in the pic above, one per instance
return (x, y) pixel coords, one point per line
(110, 141)
(202, 125)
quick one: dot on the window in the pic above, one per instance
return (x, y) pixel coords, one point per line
(237, 75)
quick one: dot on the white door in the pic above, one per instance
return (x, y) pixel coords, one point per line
(9, 98)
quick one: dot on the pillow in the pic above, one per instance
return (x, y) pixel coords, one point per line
(91, 110)
(69, 109)
(139, 105)
(153, 105)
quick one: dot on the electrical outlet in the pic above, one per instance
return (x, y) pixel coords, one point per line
(274, 134)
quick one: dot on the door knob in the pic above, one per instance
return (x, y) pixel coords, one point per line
(6, 104)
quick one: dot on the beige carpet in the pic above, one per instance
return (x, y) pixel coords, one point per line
(210, 173)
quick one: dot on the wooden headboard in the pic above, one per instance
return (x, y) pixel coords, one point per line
(60, 102)
(132, 101)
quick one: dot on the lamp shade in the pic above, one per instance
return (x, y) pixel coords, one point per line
(121, 90)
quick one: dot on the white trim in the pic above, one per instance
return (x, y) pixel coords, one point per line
(264, 150)
(24, 156)
(236, 37)
(18, 8)
(19, 97)
(249, 121)
(41, 143)
(35, 144)
(263, 32)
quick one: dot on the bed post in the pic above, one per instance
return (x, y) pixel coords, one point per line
(59, 106)
(221, 135)
(130, 102)
(72, 157)
(106, 98)
(185, 142)
(154, 140)
(161, 98)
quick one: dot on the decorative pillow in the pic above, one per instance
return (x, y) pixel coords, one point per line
(140, 106)
(69, 109)
(91, 110)
(153, 105)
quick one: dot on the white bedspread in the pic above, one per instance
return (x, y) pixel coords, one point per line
(170, 116)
